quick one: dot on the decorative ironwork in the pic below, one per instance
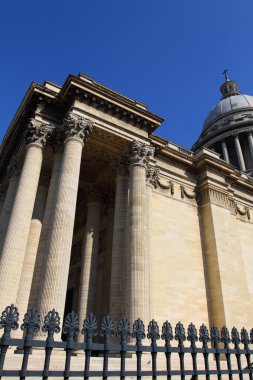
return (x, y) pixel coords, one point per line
(138, 331)
(204, 335)
(107, 328)
(215, 336)
(124, 329)
(167, 332)
(9, 319)
(31, 321)
(153, 331)
(180, 333)
(225, 336)
(52, 323)
(71, 324)
(235, 337)
(90, 326)
(192, 335)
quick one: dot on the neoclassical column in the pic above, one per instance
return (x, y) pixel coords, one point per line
(139, 157)
(14, 248)
(48, 220)
(105, 309)
(151, 181)
(13, 174)
(118, 290)
(250, 140)
(239, 153)
(225, 151)
(30, 255)
(54, 286)
(89, 256)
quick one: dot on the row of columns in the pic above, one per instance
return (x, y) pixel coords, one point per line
(239, 152)
(22, 236)
(39, 223)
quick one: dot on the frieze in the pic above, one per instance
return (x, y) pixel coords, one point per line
(184, 193)
(243, 212)
(214, 196)
(77, 127)
(152, 178)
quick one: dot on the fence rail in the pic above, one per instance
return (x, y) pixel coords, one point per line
(215, 343)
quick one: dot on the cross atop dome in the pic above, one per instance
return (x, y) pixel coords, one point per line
(229, 87)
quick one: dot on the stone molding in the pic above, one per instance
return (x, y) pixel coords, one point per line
(77, 127)
(37, 133)
(140, 153)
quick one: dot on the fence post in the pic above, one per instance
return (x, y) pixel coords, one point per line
(215, 338)
(124, 334)
(167, 335)
(236, 341)
(245, 341)
(89, 330)
(71, 328)
(153, 334)
(204, 338)
(180, 337)
(225, 339)
(192, 337)
(51, 326)
(8, 321)
(107, 331)
(31, 324)
(138, 334)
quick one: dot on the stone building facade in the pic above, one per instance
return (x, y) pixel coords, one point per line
(98, 213)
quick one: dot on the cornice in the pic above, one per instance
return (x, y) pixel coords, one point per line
(88, 86)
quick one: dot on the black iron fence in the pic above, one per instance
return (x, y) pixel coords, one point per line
(215, 345)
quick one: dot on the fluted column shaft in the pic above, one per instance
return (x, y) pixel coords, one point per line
(225, 151)
(239, 153)
(139, 156)
(7, 207)
(30, 255)
(119, 247)
(149, 287)
(16, 238)
(89, 261)
(105, 309)
(47, 224)
(250, 139)
(54, 287)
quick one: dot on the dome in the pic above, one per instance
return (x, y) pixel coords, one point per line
(230, 104)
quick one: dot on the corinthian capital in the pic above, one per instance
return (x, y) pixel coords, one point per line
(37, 133)
(77, 127)
(140, 153)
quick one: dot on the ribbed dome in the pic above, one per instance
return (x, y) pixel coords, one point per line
(230, 104)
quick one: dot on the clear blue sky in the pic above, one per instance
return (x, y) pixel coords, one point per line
(167, 53)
